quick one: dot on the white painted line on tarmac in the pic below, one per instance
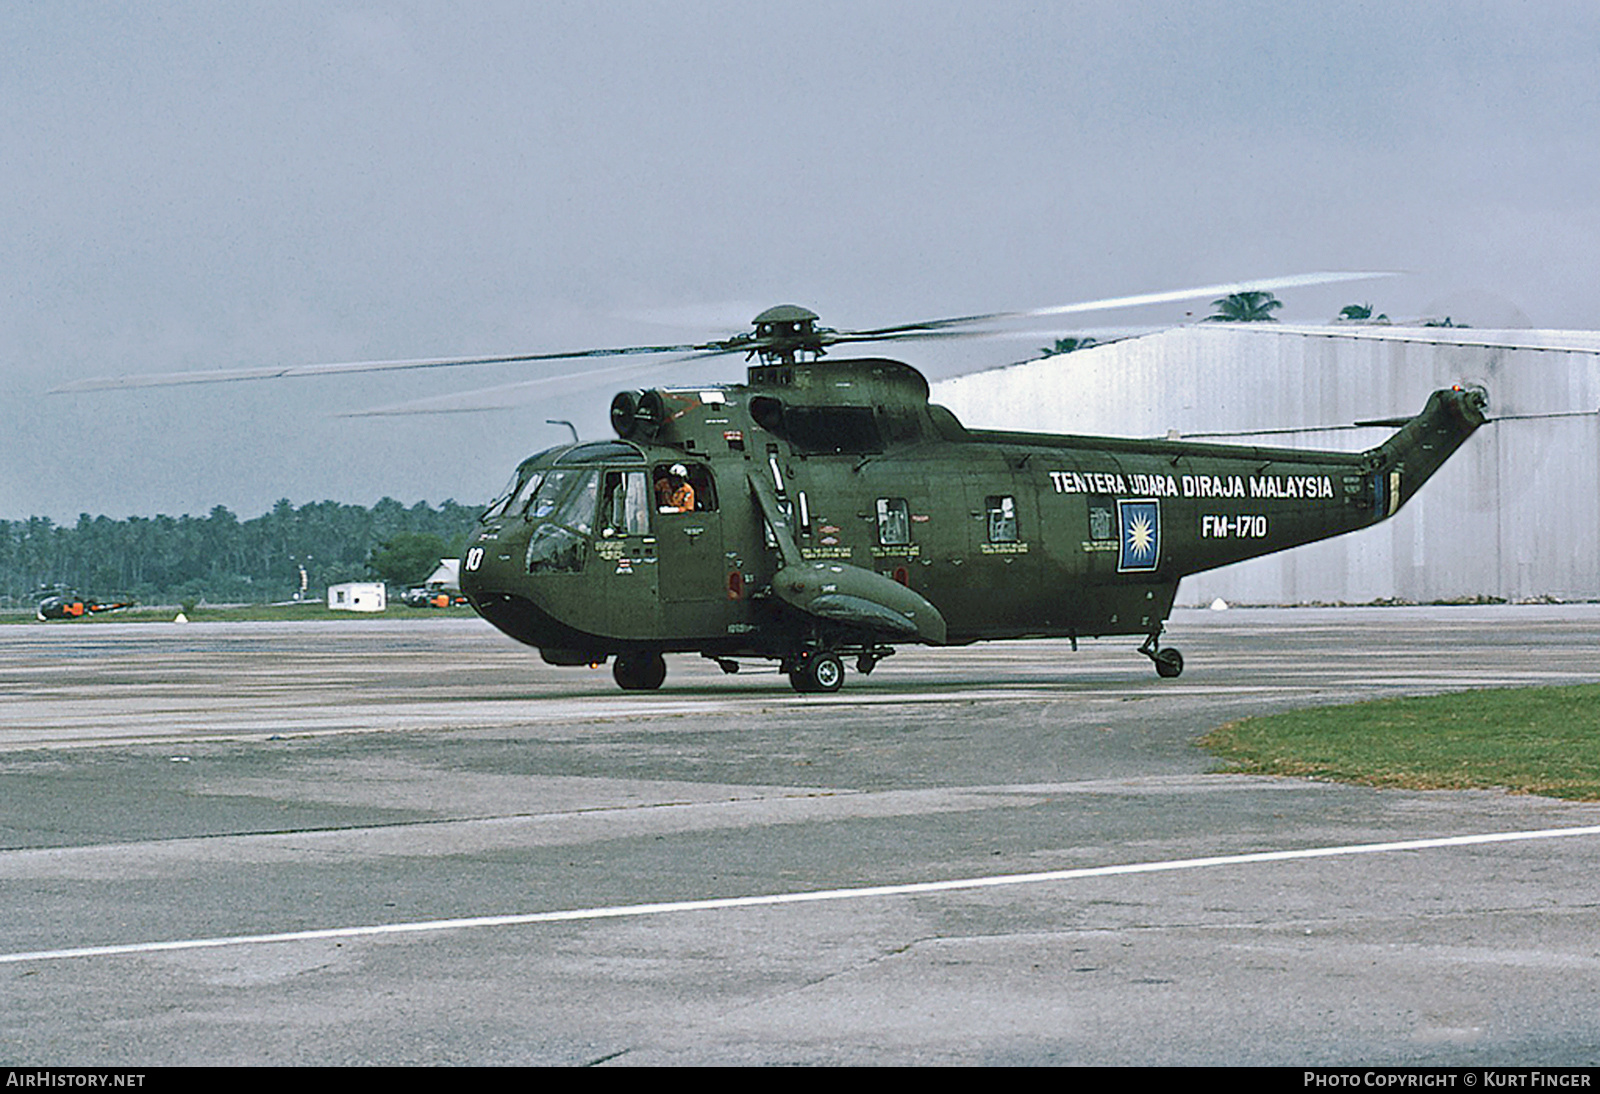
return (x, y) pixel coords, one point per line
(625, 911)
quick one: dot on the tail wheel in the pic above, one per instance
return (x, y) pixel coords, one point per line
(816, 673)
(639, 671)
(1168, 662)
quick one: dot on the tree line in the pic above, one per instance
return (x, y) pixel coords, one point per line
(221, 559)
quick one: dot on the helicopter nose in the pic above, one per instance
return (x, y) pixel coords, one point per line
(485, 566)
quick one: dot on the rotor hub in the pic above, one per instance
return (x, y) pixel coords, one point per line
(786, 333)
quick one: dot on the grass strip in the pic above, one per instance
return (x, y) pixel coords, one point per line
(1526, 740)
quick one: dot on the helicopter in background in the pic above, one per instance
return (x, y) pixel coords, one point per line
(825, 511)
(59, 602)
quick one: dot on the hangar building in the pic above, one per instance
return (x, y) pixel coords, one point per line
(1514, 515)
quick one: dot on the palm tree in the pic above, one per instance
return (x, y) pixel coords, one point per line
(1066, 345)
(1245, 307)
(1360, 313)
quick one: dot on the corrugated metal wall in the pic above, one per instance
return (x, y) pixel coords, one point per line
(1515, 514)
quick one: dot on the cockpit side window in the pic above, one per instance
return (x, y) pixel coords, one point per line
(565, 506)
(626, 509)
(684, 488)
(578, 511)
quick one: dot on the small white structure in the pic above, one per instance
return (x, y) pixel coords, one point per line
(358, 596)
(446, 576)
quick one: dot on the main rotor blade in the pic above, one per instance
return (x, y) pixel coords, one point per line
(1171, 296)
(213, 376)
(738, 343)
(519, 392)
(1382, 423)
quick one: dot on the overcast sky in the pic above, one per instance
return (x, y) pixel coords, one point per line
(206, 185)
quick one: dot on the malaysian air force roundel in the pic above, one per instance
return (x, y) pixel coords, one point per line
(1140, 522)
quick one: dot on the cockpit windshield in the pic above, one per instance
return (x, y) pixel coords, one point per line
(515, 495)
(497, 507)
(550, 492)
(524, 495)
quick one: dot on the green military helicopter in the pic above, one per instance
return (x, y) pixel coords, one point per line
(825, 510)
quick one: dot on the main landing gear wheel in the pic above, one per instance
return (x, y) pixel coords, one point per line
(639, 671)
(817, 672)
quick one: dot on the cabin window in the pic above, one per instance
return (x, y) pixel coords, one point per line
(1100, 522)
(894, 522)
(627, 504)
(1002, 518)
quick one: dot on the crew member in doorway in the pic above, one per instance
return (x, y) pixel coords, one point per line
(673, 492)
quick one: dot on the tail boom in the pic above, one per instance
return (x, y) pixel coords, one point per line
(1299, 497)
